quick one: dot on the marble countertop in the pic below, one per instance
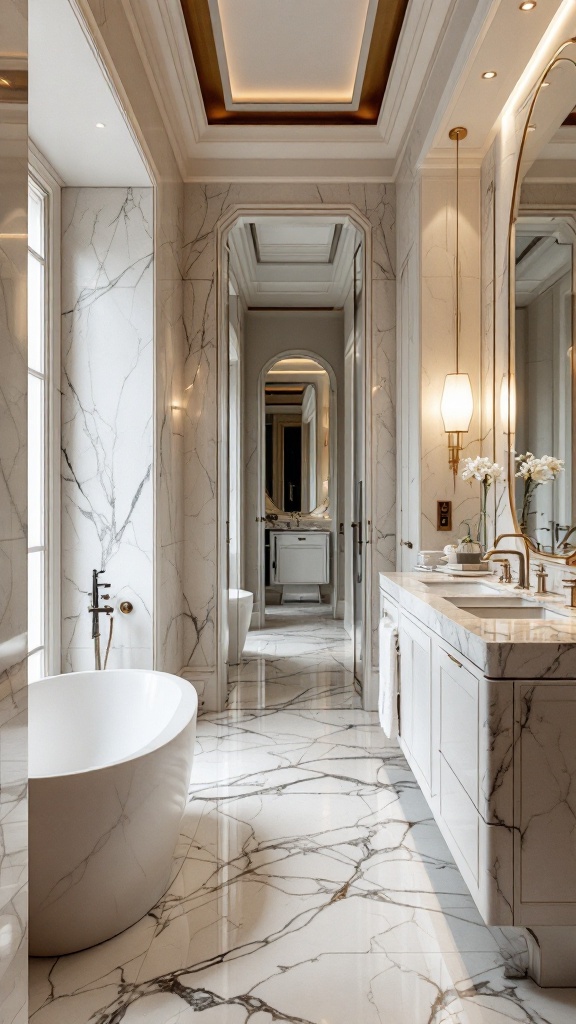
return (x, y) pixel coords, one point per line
(501, 648)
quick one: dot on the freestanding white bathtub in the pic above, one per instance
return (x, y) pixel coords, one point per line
(110, 761)
(240, 604)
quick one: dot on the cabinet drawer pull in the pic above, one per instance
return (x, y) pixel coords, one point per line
(459, 663)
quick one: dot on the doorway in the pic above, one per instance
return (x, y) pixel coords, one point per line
(294, 494)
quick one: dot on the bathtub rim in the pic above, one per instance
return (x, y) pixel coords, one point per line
(174, 728)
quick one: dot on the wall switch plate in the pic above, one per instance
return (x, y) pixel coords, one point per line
(443, 515)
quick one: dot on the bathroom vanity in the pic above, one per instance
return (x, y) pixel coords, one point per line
(488, 725)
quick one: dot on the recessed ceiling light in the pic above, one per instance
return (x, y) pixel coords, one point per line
(100, 124)
(528, 6)
(489, 74)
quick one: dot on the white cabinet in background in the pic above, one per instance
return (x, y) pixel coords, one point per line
(301, 557)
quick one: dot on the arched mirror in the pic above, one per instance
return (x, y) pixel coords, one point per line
(297, 436)
(540, 385)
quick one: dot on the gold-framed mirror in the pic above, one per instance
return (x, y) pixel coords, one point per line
(539, 390)
(297, 398)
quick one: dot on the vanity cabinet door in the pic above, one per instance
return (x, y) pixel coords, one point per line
(416, 699)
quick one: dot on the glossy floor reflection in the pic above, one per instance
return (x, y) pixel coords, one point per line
(313, 888)
(302, 658)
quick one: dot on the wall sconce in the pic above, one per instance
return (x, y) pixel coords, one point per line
(456, 407)
(457, 404)
(508, 403)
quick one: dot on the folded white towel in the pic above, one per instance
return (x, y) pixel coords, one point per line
(388, 693)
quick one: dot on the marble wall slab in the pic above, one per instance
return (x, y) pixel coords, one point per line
(13, 537)
(109, 22)
(205, 205)
(107, 417)
(438, 346)
(168, 455)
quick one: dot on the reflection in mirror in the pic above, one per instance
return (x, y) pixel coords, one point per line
(543, 419)
(544, 372)
(297, 410)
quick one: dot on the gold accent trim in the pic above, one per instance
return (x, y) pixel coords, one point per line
(385, 34)
(13, 86)
(556, 59)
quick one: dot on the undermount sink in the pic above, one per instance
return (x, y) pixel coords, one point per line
(461, 588)
(499, 607)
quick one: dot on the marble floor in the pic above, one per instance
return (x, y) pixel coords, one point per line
(311, 887)
(302, 658)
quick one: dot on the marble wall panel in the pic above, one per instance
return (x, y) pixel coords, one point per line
(107, 417)
(169, 402)
(109, 23)
(204, 206)
(13, 538)
(438, 347)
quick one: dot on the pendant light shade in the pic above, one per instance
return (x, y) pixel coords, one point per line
(457, 403)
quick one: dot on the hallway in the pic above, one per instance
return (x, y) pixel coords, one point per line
(302, 658)
(313, 888)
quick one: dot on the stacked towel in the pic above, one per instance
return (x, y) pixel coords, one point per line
(388, 694)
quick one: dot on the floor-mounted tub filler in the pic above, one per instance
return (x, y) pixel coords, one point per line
(110, 762)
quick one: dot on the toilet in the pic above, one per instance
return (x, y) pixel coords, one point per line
(240, 603)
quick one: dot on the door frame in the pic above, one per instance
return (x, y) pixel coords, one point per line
(223, 228)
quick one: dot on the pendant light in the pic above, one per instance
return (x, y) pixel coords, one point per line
(457, 403)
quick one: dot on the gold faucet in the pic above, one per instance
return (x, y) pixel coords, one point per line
(523, 558)
(521, 585)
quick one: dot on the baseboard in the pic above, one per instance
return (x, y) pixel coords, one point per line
(340, 606)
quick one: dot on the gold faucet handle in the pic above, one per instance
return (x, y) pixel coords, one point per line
(505, 575)
(570, 585)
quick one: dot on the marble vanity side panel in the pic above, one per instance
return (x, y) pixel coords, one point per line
(13, 537)
(439, 346)
(204, 206)
(107, 416)
(496, 752)
(545, 802)
(168, 475)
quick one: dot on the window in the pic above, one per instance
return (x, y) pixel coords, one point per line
(38, 400)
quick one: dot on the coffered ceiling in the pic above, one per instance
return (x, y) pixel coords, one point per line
(281, 262)
(304, 90)
(293, 61)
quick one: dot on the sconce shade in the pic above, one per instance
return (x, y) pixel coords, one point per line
(457, 403)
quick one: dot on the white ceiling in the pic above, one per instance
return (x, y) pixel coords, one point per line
(257, 41)
(506, 45)
(68, 95)
(296, 270)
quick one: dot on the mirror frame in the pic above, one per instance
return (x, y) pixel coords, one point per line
(568, 559)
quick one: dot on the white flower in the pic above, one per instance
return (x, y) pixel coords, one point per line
(481, 469)
(540, 471)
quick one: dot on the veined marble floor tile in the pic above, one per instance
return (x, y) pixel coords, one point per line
(314, 888)
(301, 658)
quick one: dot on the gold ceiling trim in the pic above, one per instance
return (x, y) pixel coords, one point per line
(385, 35)
(13, 86)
